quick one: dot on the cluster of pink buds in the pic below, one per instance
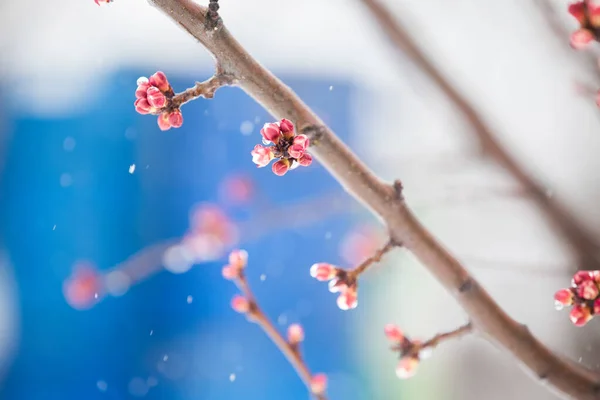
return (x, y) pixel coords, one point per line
(411, 352)
(340, 281)
(588, 15)
(153, 96)
(583, 295)
(288, 147)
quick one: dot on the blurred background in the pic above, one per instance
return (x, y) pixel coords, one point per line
(113, 233)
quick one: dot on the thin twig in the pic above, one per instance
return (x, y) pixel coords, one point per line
(256, 315)
(204, 89)
(385, 200)
(442, 337)
(362, 267)
(581, 241)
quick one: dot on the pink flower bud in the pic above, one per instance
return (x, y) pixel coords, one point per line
(305, 160)
(295, 334)
(175, 119)
(582, 276)
(281, 167)
(81, 289)
(102, 1)
(296, 150)
(348, 300)
(230, 272)
(580, 315)
(156, 98)
(588, 290)
(271, 132)
(318, 384)
(323, 271)
(336, 285)
(142, 106)
(240, 304)
(238, 258)
(163, 122)
(261, 155)
(286, 126)
(564, 297)
(393, 333)
(159, 79)
(597, 306)
(581, 38)
(407, 367)
(577, 10)
(302, 140)
(593, 14)
(141, 91)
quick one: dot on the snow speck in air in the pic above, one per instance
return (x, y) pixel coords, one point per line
(330, 88)
(69, 144)
(231, 377)
(137, 387)
(246, 128)
(328, 235)
(263, 277)
(165, 357)
(152, 332)
(102, 386)
(132, 168)
(66, 180)
(54, 228)
(282, 319)
(190, 299)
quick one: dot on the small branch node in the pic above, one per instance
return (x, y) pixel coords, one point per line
(466, 286)
(314, 132)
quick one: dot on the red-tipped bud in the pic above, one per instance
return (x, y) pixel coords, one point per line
(564, 297)
(348, 300)
(81, 289)
(102, 1)
(142, 106)
(597, 307)
(296, 151)
(240, 304)
(581, 276)
(238, 258)
(305, 160)
(581, 38)
(588, 290)
(337, 285)
(577, 10)
(594, 14)
(393, 333)
(271, 132)
(302, 140)
(159, 79)
(281, 167)
(163, 122)
(230, 272)
(155, 97)
(323, 271)
(175, 119)
(286, 126)
(295, 334)
(261, 155)
(580, 315)
(141, 91)
(318, 384)
(407, 367)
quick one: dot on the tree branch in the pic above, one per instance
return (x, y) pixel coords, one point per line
(385, 201)
(580, 239)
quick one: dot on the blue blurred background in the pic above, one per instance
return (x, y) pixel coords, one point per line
(69, 196)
